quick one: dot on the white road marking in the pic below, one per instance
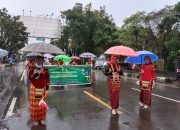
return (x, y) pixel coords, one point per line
(22, 76)
(160, 96)
(169, 85)
(11, 108)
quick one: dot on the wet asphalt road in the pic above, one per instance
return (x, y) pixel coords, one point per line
(72, 109)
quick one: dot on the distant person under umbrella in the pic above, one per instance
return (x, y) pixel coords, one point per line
(29, 63)
(60, 62)
(10, 61)
(74, 62)
(147, 82)
(89, 62)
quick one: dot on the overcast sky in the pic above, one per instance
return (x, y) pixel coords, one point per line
(120, 9)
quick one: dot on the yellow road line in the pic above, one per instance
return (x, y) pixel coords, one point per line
(100, 101)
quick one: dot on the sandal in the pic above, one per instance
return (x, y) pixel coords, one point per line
(118, 112)
(145, 106)
(36, 123)
(43, 122)
(141, 104)
(114, 111)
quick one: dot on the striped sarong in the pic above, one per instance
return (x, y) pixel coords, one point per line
(145, 93)
(36, 112)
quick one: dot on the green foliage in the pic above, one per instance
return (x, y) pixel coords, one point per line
(92, 31)
(158, 32)
(12, 32)
(95, 31)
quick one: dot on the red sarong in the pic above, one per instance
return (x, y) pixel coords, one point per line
(145, 92)
(114, 92)
(147, 77)
(36, 112)
(93, 76)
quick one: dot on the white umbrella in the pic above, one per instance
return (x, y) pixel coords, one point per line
(87, 55)
(3, 53)
(34, 54)
(42, 48)
(48, 56)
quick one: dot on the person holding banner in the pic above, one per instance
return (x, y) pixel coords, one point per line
(29, 63)
(74, 62)
(114, 69)
(60, 62)
(147, 82)
(39, 85)
(89, 62)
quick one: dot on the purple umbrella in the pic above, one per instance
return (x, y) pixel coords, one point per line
(87, 55)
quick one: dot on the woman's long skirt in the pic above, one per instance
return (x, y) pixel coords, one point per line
(36, 112)
(114, 92)
(145, 92)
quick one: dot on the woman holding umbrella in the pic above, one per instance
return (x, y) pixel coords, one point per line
(114, 83)
(147, 82)
(89, 62)
(114, 73)
(74, 60)
(147, 75)
(39, 85)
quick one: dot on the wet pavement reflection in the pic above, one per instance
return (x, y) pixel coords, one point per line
(114, 122)
(8, 82)
(39, 127)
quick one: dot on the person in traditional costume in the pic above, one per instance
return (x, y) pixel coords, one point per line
(89, 62)
(29, 63)
(74, 62)
(114, 83)
(39, 85)
(147, 82)
(61, 62)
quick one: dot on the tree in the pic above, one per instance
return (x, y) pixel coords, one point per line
(88, 30)
(13, 36)
(155, 31)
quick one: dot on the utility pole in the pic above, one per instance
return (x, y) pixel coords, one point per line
(30, 12)
(52, 15)
(23, 12)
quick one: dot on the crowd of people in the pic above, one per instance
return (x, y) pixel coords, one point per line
(146, 82)
(39, 83)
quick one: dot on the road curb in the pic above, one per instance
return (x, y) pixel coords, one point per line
(158, 78)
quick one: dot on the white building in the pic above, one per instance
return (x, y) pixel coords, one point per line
(42, 29)
(78, 6)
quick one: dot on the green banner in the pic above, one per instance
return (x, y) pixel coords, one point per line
(69, 75)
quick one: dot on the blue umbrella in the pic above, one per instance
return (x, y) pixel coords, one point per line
(140, 57)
